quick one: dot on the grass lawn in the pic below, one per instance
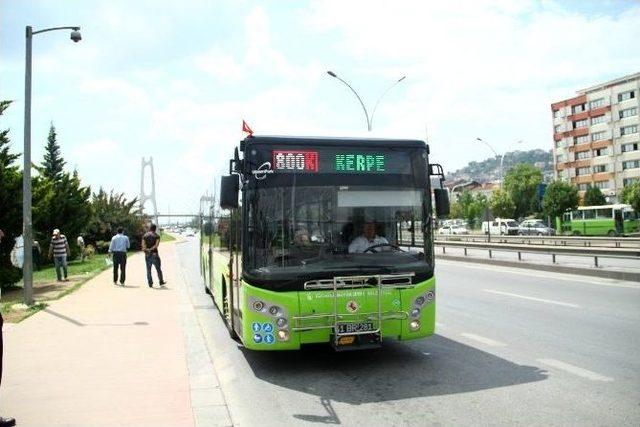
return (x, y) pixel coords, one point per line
(166, 237)
(47, 288)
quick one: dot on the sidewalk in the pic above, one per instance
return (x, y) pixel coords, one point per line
(106, 355)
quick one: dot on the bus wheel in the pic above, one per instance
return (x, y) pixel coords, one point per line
(611, 233)
(576, 233)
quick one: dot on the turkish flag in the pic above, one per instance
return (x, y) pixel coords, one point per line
(246, 128)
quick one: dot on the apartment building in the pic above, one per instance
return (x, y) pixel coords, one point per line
(597, 136)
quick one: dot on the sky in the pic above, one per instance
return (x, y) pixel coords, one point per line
(174, 80)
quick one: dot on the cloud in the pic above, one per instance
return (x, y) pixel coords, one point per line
(487, 68)
(141, 84)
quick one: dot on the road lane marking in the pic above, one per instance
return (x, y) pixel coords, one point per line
(483, 340)
(576, 278)
(548, 301)
(581, 372)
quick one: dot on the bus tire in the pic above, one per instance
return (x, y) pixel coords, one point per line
(576, 232)
(612, 233)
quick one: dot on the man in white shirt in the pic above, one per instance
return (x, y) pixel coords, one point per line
(368, 239)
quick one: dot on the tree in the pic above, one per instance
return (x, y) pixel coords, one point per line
(10, 205)
(559, 198)
(501, 204)
(110, 211)
(631, 195)
(53, 165)
(521, 182)
(476, 211)
(455, 210)
(472, 207)
(63, 204)
(594, 197)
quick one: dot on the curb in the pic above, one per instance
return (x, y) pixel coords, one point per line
(608, 274)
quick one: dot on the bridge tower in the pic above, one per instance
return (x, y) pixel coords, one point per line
(152, 195)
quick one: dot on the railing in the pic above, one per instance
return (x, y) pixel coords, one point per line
(616, 242)
(553, 250)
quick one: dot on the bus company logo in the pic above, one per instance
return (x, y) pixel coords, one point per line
(430, 296)
(352, 306)
(296, 161)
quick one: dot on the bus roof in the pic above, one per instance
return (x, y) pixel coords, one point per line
(331, 142)
(616, 206)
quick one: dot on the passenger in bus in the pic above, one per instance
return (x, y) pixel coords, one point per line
(301, 237)
(368, 239)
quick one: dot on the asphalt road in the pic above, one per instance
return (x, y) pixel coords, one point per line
(513, 347)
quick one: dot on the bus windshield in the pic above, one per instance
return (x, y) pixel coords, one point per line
(301, 233)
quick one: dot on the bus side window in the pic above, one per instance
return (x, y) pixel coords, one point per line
(575, 215)
(589, 214)
(604, 213)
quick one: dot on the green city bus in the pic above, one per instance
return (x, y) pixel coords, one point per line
(310, 250)
(604, 220)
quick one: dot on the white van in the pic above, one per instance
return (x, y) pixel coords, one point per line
(500, 226)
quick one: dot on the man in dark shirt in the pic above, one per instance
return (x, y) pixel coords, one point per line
(150, 242)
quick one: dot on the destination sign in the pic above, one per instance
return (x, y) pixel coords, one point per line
(341, 161)
(303, 161)
(359, 163)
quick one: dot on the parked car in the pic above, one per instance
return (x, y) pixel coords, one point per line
(453, 229)
(535, 227)
(505, 226)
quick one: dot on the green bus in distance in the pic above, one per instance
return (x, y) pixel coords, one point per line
(310, 250)
(604, 220)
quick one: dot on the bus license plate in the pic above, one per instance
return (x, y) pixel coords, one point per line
(351, 328)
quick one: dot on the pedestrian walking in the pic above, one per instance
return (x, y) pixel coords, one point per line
(118, 250)
(150, 243)
(59, 249)
(80, 243)
(36, 252)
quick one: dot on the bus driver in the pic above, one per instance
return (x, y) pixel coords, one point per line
(368, 239)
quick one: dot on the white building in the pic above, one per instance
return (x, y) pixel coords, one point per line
(597, 136)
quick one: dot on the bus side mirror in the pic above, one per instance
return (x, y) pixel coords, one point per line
(229, 189)
(442, 202)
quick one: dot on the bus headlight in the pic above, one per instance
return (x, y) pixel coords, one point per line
(415, 312)
(414, 325)
(281, 322)
(283, 335)
(274, 310)
(258, 305)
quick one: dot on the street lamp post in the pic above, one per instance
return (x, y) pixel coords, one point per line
(27, 232)
(366, 113)
(501, 157)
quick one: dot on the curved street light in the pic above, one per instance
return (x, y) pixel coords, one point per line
(27, 232)
(366, 113)
(501, 156)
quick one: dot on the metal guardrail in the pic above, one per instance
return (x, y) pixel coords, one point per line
(553, 250)
(616, 242)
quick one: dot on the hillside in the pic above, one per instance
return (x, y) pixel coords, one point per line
(489, 169)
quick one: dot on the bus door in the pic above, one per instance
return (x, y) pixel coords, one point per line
(617, 217)
(235, 267)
